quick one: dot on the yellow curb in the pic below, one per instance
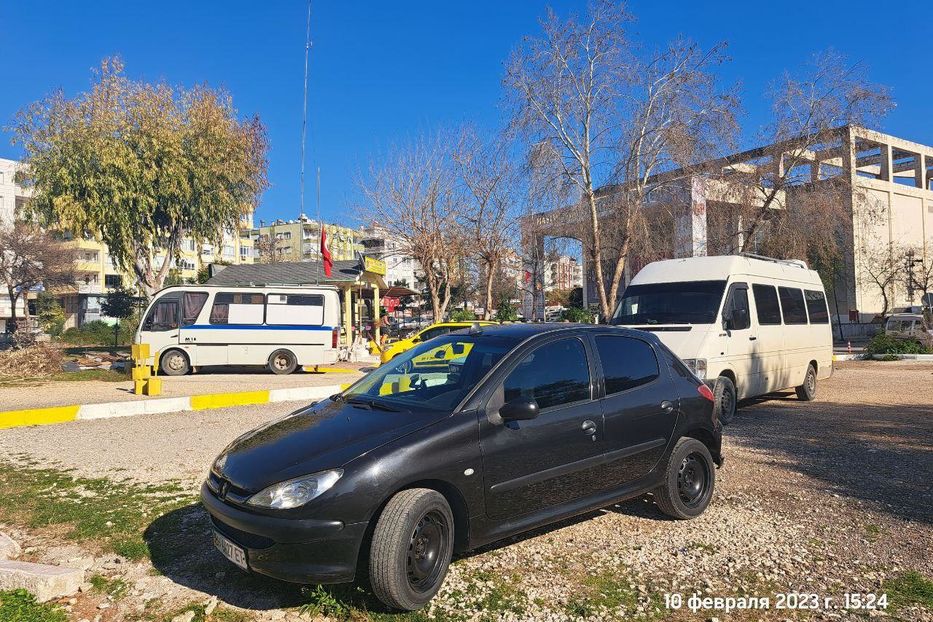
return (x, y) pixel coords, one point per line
(38, 416)
(223, 400)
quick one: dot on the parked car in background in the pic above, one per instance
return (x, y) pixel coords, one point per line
(281, 328)
(910, 327)
(530, 424)
(746, 325)
(393, 349)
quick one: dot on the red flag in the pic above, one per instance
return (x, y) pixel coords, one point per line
(325, 254)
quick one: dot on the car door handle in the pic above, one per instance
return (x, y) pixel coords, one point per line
(667, 406)
(752, 338)
(589, 427)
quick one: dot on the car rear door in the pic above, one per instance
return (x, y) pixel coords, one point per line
(554, 458)
(639, 406)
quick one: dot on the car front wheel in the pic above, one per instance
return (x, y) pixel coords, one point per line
(689, 480)
(411, 549)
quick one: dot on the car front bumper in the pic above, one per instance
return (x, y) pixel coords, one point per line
(295, 550)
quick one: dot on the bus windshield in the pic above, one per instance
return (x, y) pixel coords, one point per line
(684, 302)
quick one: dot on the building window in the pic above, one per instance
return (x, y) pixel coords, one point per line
(228, 251)
(113, 281)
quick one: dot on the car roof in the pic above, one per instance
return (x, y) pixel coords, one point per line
(466, 324)
(526, 330)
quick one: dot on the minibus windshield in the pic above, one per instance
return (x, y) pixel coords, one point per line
(685, 302)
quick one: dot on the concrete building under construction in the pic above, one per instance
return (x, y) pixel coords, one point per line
(887, 208)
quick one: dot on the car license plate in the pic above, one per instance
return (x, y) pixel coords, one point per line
(231, 551)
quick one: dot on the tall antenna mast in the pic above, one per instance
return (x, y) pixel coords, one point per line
(304, 118)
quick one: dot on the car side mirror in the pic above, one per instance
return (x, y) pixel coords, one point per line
(439, 354)
(458, 348)
(416, 339)
(519, 410)
(727, 322)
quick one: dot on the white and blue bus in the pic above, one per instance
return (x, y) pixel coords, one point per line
(282, 328)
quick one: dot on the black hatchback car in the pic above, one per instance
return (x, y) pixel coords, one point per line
(466, 439)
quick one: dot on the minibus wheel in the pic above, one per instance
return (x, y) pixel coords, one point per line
(282, 362)
(807, 391)
(724, 392)
(174, 363)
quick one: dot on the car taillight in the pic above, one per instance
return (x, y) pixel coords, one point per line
(334, 336)
(706, 392)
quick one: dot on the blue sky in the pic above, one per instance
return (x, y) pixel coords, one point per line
(383, 72)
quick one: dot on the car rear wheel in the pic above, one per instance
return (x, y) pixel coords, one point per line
(807, 391)
(411, 549)
(725, 395)
(689, 480)
(174, 363)
(282, 362)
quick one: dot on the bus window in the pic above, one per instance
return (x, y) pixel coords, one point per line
(191, 306)
(295, 309)
(232, 308)
(163, 315)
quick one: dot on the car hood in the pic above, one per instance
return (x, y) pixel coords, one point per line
(323, 436)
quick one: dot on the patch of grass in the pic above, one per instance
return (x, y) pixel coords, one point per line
(21, 606)
(101, 375)
(116, 588)
(197, 608)
(703, 547)
(324, 602)
(602, 593)
(872, 531)
(112, 515)
(910, 588)
(225, 614)
(350, 602)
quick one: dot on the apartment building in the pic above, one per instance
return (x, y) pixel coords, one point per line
(300, 240)
(564, 272)
(401, 268)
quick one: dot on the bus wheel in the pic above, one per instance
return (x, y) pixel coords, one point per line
(282, 362)
(174, 363)
(725, 394)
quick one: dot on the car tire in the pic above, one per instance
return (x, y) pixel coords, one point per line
(689, 480)
(807, 391)
(411, 549)
(282, 362)
(725, 403)
(174, 363)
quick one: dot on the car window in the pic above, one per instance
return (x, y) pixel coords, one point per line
(766, 305)
(792, 305)
(431, 333)
(553, 374)
(737, 309)
(627, 363)
(816, 307)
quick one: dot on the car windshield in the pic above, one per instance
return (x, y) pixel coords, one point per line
(436, 374)
(686, 302)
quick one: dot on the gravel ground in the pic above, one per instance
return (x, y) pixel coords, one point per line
(827, 497)
(61, 393)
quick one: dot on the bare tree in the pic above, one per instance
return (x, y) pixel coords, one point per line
(882, 269)
(487, 217)
(270, 248)
(612, 114)
(414, 197)
(31, 257)
(795, 195)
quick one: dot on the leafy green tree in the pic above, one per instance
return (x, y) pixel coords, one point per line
(462, 315)
(141, 166)
(506, 312)
(120, 304)
(50, 314)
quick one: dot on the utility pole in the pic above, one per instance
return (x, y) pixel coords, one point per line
(304, 118)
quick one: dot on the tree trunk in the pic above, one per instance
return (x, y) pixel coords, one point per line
(490, 273)
(597, 253)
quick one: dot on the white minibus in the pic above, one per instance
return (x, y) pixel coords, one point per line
(746, 325)
(283, 328)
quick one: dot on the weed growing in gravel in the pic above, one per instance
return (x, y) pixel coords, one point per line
(116, 588)
(603, 594)
(21, 606)
(910, 588)
(111, 514)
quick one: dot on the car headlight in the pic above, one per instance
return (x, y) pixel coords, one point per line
(697, 366)
(295, 492)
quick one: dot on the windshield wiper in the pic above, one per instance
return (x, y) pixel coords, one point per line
(337, 397)
(373, 404)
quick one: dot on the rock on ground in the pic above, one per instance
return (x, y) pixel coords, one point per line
(9, 549)
(45, 582)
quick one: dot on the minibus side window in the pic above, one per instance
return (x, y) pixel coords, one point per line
(795, 311)
(231, 308)
(816, 307)
(191, 305)
(295, 309)
(766, 305)
(162, 316)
